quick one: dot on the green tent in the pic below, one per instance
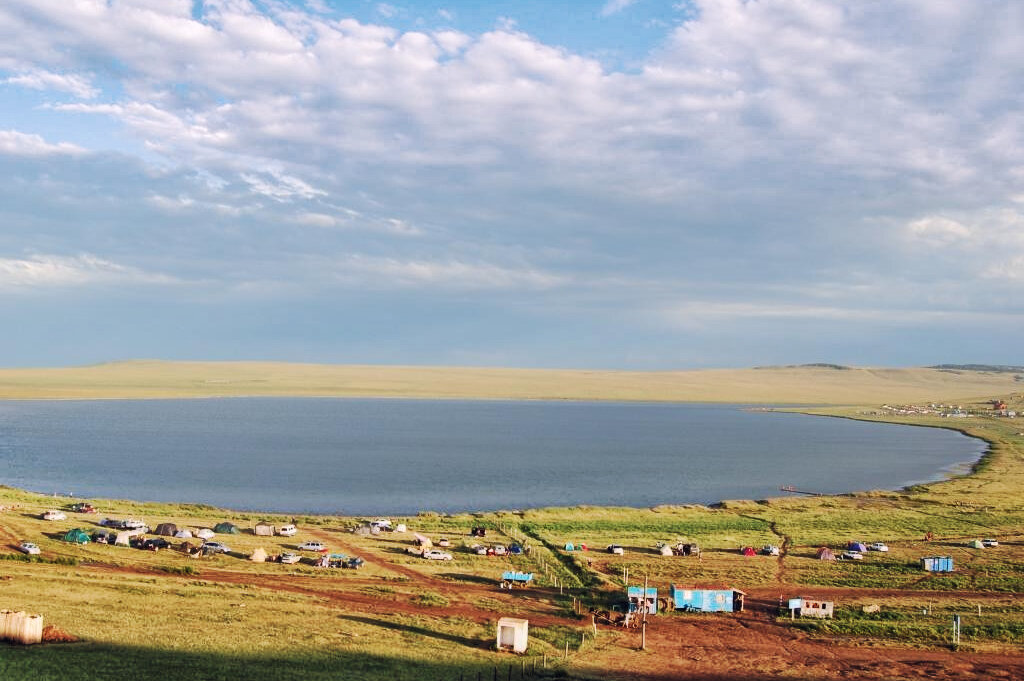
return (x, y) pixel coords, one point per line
(226, 528)
(976, 544)
(77, 536)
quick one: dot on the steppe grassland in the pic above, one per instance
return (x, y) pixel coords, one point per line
(779, 385)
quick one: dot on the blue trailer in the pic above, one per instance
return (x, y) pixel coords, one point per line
(707, 600)
(511, 578)
(937, 563)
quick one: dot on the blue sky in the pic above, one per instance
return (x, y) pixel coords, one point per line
(646, 184)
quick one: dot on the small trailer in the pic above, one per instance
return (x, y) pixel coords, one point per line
(511, 579)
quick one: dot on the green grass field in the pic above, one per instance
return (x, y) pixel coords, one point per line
(161, 615)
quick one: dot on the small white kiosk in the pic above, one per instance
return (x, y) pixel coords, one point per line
(513, 634)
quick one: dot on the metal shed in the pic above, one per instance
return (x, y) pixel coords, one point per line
(707, 600)
(937, 564)
(811, 607)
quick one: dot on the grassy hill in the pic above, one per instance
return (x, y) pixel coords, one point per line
(808, 384)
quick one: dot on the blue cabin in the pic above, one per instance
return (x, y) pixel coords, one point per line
(635, 595)
(707, 600)
(937, 563)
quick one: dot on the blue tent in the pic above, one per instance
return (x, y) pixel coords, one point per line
(856, 546)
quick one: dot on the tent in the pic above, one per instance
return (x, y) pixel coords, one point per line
(183, 534)
(666, 550)
(77, 536)
(226, 528)
(748, 551)
(166, 529)
(123, 538)
(825, 553)
(569, 546)
(263, 529)
(422, 540)
(856, 546)
(258, 556)
(976, 544)
(204, 533)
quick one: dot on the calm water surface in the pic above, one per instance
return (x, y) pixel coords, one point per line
(366, 456)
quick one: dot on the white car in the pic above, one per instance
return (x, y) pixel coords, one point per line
(616, 550)
(989, 543)
(851, 555)
(434, 554)
(769, 550)
(312, 546)
(290, 558)
(55, 515)
(29, 548)
(287, 531)
(443, 542)
(216, 547)
(878, 546)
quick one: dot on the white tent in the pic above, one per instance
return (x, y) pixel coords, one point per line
(183, 534)
(205, 533)
(122, 538)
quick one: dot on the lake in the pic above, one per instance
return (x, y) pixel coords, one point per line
(400, 456)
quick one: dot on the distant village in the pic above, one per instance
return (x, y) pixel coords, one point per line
(993, 408)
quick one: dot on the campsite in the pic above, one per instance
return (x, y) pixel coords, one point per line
(225, 610)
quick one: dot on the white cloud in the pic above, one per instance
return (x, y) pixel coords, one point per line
(615, 6)
(939, 230)
(41, 79)
(24, 144)
(449, 274)
(280, 187)
(50, 271)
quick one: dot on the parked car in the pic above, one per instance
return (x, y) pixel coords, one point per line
(989, 543)
(312, 546)
(434, 554)
(769, 550)
(55, 515)
(216, 547)
(155, 544)
(83, 507)
(29, 548)
(443, 541)
(287, 530)
(500, 549)
(878, 546)
(851, 555)
(616, 549)
(480, 550)
(289, 558)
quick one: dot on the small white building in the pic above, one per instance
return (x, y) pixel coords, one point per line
(513, 634)
(811, 607)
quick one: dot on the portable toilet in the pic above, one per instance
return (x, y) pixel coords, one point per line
(513, 634)
(635, 595)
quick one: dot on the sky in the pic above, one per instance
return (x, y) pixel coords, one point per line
(623, 184)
